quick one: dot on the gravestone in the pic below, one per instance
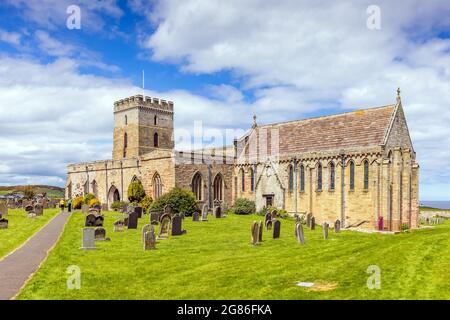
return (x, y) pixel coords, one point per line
(273, 214)
(177, 229)
(299, 233)
(84, 208)
(269, 224)
(119, 225)
(325, 227)
(88, 239)
(29, 208)
(132, 220)
(195, 216)
(313, 223)
(255, 231)
(149, 240)
(90, 220)
(337, 226)
(276, 228)
(205, 212)
(93, 211)
(138, 211)
(154, 217)
(3, 209)
(267, 217)
(38, 210)
(260, 231)
(98, 207)
(99, 220)
(164, 227)
(168, 209)
(218, 212)
(99, 234)
(308, 220)
(146, 228)
(3, 223)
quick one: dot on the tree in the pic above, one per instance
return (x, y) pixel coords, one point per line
(136, 191)
(181, 200)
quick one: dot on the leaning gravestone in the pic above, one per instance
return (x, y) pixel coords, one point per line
(3, 223)
(146, 228)
(119, 225)
(255, 231)
(3, 209)
(177, 229)
(299, 233)
(337, 226)
(164, 227)
(260, 231)
(276, 229)
(195, 216)
(38, 210)
(99, 234)
(88, 239)
(313, 223)
(132, 220)
(325, 230)
(149, 240)
(205, 212)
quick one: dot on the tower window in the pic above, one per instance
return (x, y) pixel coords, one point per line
(126, 120)
(125, 144)
(155, 120)
(352, 176)
(332, 176)
(319, 177)
(302, 178)
(155, 140)
(291, 178)
(366, 174)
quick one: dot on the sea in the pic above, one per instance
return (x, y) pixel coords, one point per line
(436, 204)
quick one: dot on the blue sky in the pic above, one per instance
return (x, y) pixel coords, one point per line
(220, 62)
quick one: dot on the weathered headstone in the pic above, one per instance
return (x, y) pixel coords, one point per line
(337, 226)
(308, 220)
(313, 223)
(168, 209)
(3, 223)
(38, 210)
(276, 228)
(145, 229)
(100, 234)
(93, 211)
(138, 211)
(132, 220)
(255, 231)
(177, 229)
(299, 233)
(218, 212)
(260, 231)
(195, 216)
(269, 224)
(3, 209)
(273, 214)
(325, 227)
(267, 217)
(119, 225)
(88, 239)
(154, 217)
(149, 240)
(164, 227)
(205, 212)
(90, 220)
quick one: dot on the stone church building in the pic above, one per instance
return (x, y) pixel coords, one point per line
(356, 167)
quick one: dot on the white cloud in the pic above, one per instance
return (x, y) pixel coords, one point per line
(10, 37)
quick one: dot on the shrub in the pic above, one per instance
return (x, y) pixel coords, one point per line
(244, 206)
(93, 202)
(182, 201)
(77, 202)
(136, 191)
(88, 197)
(280, 212)
(146, 203)
(116, 205)
(405, 227)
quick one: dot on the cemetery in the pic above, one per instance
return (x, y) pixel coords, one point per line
(168, 255)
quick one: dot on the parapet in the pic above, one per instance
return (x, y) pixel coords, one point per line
(141, 101)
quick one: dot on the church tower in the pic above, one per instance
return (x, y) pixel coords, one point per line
(141, 126)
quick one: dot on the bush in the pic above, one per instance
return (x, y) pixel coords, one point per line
(146, 203)
(88, 197)
(182, 201)
(136, 191)
(280, 212)
(77, 202)
(405, 227)
(93, 202)
(116, 205)
(244, 206)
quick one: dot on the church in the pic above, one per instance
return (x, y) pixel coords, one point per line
(358, 167)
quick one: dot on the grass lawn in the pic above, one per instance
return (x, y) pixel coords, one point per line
(215, 260)
(21, 228)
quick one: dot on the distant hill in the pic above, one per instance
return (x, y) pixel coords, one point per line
(52, 191)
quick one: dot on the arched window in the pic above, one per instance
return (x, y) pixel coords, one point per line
(291, 178)
(155, 120)
(197, 186)
(157, 186)
(302, 178)
(332, 176)
(94, 187)
(218, 187)
(126, 120)
(242, 180)
(319, 177)
(125, 144)
(366, 175)
(352, 175)
(252, 180)
(155, 140)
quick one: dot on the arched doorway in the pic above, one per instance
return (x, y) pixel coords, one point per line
(157, 186)
(113, 194)
(218, 187)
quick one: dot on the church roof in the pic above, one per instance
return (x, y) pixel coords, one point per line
(360, 128)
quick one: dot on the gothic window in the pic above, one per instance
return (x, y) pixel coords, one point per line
(291, 178)
(242, 180)
(332, 175)
(157, 186)
(302, 178)
(352, 175)
(319, 177)
(366, 174)
(125, 144)
(155, 140)
(218, 187)
(252, 180)
(197, 186)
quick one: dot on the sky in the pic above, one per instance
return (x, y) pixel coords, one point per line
(221, 62)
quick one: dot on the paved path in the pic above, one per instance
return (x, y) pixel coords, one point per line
(16, 268)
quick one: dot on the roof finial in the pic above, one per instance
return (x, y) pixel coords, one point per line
(254, 122)
(398, 94)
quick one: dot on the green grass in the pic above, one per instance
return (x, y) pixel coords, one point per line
(215, 260)
(20, 228)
